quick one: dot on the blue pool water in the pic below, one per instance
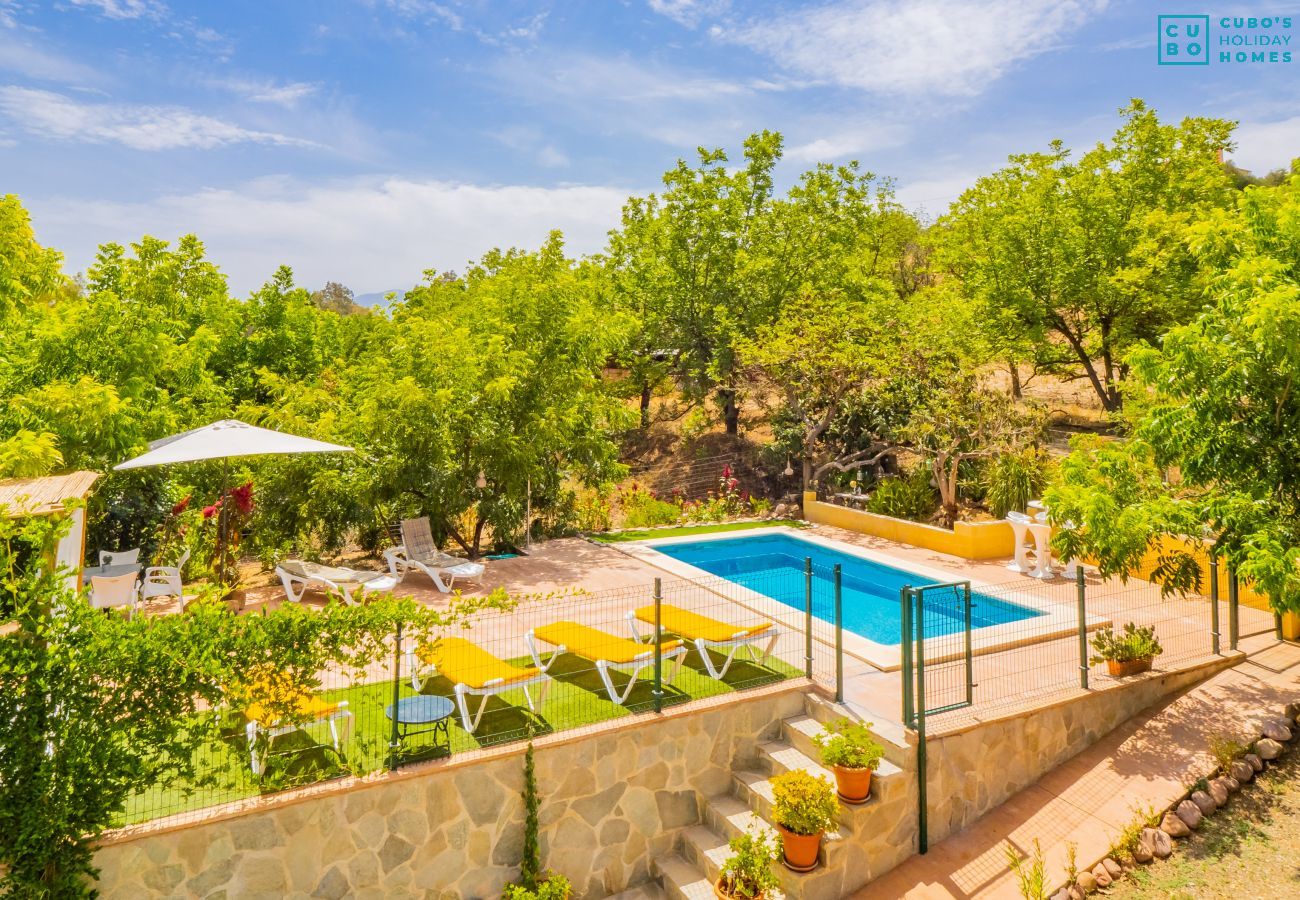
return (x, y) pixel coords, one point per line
(773, 565)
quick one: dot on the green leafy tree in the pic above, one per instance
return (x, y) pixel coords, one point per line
(1215, 405)
(1072, 263)
(714, 258)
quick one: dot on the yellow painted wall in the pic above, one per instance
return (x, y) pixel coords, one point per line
(1200, 550)
(969, 540)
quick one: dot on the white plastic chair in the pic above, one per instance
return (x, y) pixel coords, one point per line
(119, 557)
(165, 581)
(110, 591)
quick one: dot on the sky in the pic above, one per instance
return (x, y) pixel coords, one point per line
(367, 141)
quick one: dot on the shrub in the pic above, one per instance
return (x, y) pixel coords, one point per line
(642, 508)
(803, 803)
(849, 744)
(1030, 871)
(1013, 479)
(1225, 750)
(552, 887)
(748, 870)
(1132, 643)
(591, 511)
(760, 507)
(909, 496)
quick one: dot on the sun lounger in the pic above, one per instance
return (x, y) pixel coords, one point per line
(474, 672)
(309, 710)
(605, 650)
(350, 584)
(706, 632)
(418, 551)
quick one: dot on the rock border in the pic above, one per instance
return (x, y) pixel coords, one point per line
(1202, 799)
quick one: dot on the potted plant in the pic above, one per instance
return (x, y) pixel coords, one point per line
(804, 809)
(852, 752)
(748, 870)
(1129, 652)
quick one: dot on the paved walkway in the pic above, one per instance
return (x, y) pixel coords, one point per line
(1147, 761)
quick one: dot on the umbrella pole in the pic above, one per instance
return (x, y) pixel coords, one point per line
(223, 522)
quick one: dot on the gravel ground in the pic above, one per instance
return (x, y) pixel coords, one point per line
(1249, 849)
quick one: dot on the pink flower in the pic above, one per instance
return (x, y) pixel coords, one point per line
(733, 483)
(726, 471)
(210, 511)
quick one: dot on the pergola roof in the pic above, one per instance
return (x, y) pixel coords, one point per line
(45, 495)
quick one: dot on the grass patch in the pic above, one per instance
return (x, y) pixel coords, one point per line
(305, 756)
(647, 534)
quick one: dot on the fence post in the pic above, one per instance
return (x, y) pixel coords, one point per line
(807, 625)
(659, 653)
(970, 651)
(1234, 626)
(1214, 604)
(905, 651)
(839, 635)
(1081, 591)
(394, 739)
(923, 807)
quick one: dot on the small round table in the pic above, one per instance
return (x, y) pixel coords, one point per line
(422, 714)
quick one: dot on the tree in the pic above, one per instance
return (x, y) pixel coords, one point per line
(819, 356)
(1216, 403)
(29, 273)
(338, 298)
(1082, 258)
(962, 421)
(715, 258)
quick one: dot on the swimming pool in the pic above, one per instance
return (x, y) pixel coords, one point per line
(773, 565)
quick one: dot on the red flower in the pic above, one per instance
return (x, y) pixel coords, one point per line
(733, 483)
(181, 506)
(726, 472)
(243, 497)
(210, 511)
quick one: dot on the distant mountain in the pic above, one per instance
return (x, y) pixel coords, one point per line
(376, 298)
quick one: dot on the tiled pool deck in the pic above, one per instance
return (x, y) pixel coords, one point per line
(619, 578)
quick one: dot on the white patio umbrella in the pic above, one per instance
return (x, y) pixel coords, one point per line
(224, 440)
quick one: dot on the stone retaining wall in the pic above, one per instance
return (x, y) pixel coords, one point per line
(612, 798)
(975, 769)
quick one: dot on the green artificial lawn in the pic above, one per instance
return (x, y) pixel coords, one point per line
(577, 697)
(646, 534)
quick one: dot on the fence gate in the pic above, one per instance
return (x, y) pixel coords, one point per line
(937, 666)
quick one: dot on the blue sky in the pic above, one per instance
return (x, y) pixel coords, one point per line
(365, 141)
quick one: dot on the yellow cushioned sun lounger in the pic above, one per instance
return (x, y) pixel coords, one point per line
(473, 671)
(307, 709)
(706, 632)
(607, 651)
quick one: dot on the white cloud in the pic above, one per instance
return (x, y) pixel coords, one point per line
(57, 116)
(912, 47)
(1264, 146)
(688, 12)
(40, 64)
(287, 95)
(372, 234)
(124, 9)
(842, 142)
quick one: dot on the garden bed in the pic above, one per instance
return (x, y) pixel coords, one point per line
(646, 534)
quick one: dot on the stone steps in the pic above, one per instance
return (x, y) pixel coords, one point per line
(870, 839)
(647, 890)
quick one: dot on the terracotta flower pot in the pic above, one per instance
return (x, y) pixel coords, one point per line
(853, 785)
(1119, 669)
(799, 850)
(723, 895)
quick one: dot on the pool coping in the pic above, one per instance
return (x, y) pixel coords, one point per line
(1057, 619)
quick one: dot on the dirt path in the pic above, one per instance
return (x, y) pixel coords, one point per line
(1249, 849)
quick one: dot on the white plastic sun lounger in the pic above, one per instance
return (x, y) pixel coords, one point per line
(350, 584)
(418, 551)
